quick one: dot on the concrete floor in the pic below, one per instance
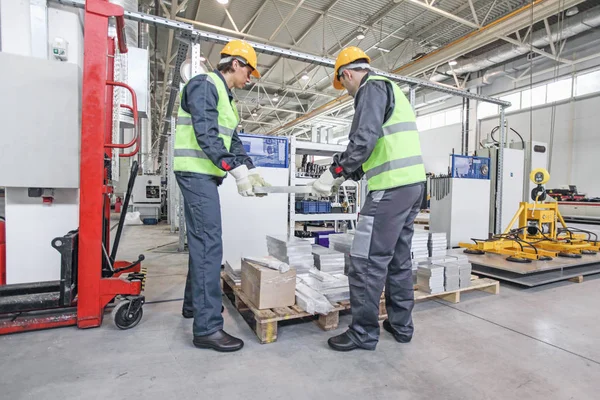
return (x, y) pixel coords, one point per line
(522, 344)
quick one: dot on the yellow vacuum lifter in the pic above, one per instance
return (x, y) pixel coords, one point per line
(537, 236)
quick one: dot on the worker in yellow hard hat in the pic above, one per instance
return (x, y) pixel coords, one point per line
(384, 146)
(207, 147)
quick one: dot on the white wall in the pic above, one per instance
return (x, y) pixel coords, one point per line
(576, 141)
(437, 145)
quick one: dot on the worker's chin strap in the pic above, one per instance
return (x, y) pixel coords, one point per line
(358, 65)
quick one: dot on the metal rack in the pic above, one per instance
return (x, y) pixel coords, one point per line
(187, 35)
(298, 147)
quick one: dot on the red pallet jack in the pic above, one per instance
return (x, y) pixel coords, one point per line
(90, 276)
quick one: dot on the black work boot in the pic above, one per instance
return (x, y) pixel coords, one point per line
(190, 314)
(399, 338)
(342, 343)
(219, 341)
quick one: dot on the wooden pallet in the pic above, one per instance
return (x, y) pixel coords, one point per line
(264, 322)
(483, 284)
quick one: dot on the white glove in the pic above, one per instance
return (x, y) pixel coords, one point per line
(257, 180)
(242, 181)
(326, 184)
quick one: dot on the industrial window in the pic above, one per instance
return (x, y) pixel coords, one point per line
(486, 110)
(424, 123)
(559, 90)
(453, 116)
(514, 99)
(587, 83)
(533, 97)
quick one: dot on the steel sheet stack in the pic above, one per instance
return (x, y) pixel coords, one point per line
(438, 243)
(464, 270)
(293, 251)
(343, 243)
(451, 276)
(430, 278)
(328, 260)
(420, 243)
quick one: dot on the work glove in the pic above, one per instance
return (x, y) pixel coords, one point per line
(242, 180)
(326, 184)
(257, 181)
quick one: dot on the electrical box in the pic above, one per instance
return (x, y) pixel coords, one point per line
(40, 114)
(512, 184)
(147, 189)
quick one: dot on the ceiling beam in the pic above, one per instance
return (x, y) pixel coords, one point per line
(286, 20)
(445, 14)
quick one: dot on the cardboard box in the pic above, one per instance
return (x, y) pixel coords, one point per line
(268, 288)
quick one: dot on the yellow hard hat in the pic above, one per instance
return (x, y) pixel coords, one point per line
(241, 48)
(347, 56)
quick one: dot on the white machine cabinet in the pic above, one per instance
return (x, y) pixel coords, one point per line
(246, 221)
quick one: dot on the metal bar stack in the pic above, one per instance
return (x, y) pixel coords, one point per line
(430, 278)
(420, 245)
(293, 251)
(343, 243)
(328, 260)
(438, 244)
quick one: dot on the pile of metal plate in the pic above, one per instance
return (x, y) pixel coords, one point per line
(343, 243)
(292, 250)
(334, 287)
(430, 278)
(465, 270)
(451, 276)
(438, 244)
(328, 260)
(420, 243)
(234, 274)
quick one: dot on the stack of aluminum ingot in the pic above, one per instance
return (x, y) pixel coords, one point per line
(451, 276)
(292, 250)
(343, 243)
(328, 260)
(438, 243)
(465, 270)
(419, 245)
(430, 278)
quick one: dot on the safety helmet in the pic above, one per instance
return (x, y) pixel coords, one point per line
(347, 56)
(241, 48)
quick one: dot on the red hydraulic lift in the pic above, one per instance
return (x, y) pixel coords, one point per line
(90, 276)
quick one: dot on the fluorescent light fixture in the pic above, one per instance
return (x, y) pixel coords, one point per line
(254, 113)
(381, 49)
(305, 77)
(202, 58)
(275, 98)
(222, 1)
(360, 35)
(452, 63)
(240, 126)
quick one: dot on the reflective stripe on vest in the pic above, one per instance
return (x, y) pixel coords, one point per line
(396, 159)
(187, 154)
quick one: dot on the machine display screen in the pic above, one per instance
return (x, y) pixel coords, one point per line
(470, 167)
(266, 151)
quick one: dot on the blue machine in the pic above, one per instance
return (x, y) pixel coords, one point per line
(470, 167)
(266, 151)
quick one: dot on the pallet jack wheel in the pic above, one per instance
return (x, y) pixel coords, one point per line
(569, 255)
(124, 315)
(518, 259)
(473, 251)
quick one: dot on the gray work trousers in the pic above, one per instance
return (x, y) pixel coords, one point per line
(381, 256)
(203, 220)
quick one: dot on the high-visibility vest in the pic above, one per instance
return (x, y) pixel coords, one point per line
(187, 154)
(396, 159)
